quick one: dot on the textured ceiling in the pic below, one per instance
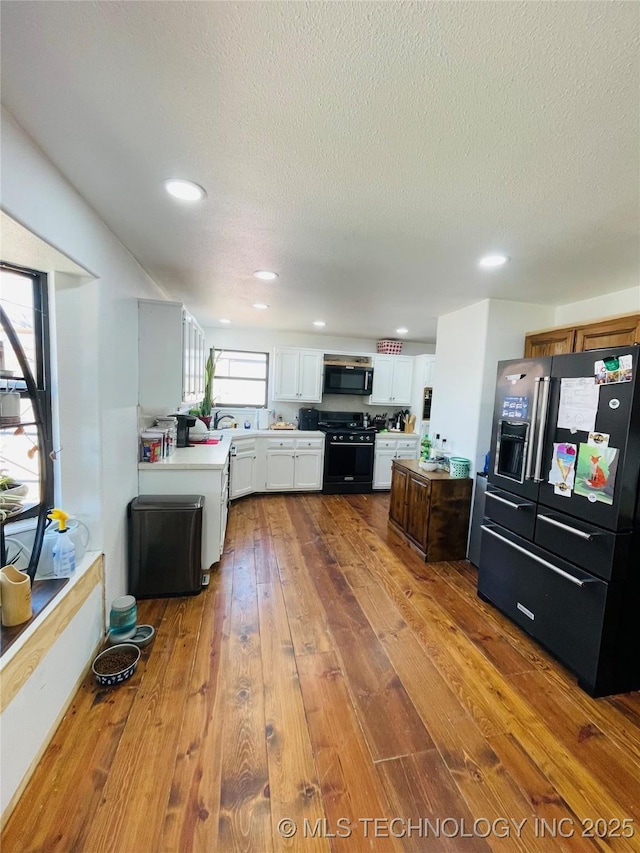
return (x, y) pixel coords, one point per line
(368, 152)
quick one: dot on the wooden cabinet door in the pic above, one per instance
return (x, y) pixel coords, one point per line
(621, 332)
(418, 508)
(308, 470)
(398, 497)
(382, 462)
(243, 474)
(382, 379)
(552, 342)
(286, 374)
(310, 376)
(280, 470)
(402, 378)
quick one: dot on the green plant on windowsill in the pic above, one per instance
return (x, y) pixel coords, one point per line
(203, 411)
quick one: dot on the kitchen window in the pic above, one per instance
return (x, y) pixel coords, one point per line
(26, 419)
(240, 378)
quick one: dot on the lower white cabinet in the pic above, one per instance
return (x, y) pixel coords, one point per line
(294, 464)
(388, 449)
(244, 456)
(213, 484)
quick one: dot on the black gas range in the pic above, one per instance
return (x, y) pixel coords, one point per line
(348, 453)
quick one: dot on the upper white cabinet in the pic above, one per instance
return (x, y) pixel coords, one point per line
(171, 355)
(297, 375)
(392, 376)
(424, 369)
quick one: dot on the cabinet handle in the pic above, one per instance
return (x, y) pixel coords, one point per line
(505, 501)
(548, 565)
(568, 528)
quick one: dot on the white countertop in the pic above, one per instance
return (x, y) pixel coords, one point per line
(199, 456)
(214, 456)
(392, 433)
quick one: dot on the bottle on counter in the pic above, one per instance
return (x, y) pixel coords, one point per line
(64, 551)
(445, 455)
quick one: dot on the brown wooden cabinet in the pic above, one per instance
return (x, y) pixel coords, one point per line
(552, 342)
(430, 510)
(621, 332)
(615, 332)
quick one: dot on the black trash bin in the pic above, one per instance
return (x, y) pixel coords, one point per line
(165, 545)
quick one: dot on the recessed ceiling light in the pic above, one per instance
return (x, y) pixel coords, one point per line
(260, 306)
(319, 323)
(184, 190)
(402, 331)
(224, 320)
(265, 275)
(490, 261)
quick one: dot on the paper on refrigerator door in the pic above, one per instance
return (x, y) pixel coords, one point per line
(578, 404)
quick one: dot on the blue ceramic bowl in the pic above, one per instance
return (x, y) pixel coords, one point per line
(116, 664)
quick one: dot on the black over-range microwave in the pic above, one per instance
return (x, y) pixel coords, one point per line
(345, 379)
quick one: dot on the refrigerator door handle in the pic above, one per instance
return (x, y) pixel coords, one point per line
(543, 423)
(545, 563)
(508, 503)
(568, 528)
(532, 429)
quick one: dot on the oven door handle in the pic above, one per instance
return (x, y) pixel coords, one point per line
(368, 445)
(542, 562)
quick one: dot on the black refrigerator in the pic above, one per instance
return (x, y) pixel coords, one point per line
(560, 546)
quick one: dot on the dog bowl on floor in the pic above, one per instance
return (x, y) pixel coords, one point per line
(143, 636)
(116, 664)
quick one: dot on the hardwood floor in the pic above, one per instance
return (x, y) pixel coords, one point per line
(332, 682)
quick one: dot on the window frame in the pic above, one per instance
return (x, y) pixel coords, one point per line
(218, 354)
(42, 405)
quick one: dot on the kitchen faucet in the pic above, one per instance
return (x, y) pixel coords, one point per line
(220, 416)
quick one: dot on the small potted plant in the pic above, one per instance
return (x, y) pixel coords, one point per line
(204, 410)
(12, 495)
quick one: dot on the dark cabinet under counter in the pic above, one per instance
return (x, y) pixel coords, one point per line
(430, 510)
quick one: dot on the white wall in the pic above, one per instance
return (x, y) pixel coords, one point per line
(263, 340)
(31, 717)
(470, 343)
(607, 305)
(97, 390)
(97, 342)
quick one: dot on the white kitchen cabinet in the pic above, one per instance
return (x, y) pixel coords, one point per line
(243, 467)
(213, 484)
(424, 368)
(297, 375)
(308, 467)
(171, 356)
(294, 464)
(392, 377)
(386, 450)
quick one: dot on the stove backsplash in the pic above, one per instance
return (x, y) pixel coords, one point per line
(330, 402)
